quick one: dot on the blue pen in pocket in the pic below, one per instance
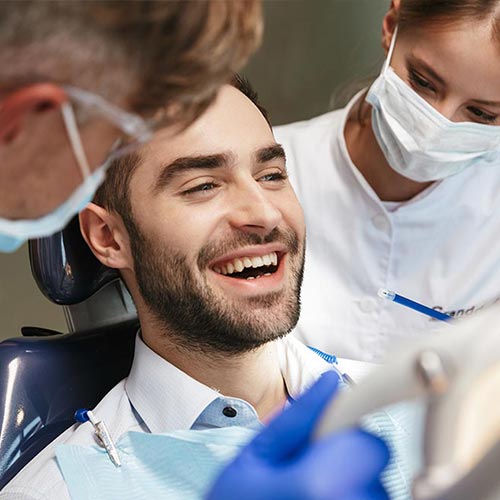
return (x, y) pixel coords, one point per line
(404, 301)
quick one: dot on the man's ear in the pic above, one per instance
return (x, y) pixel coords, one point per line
(106, 236)
(17, 107)
(389, 24)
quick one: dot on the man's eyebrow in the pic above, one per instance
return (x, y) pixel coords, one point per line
(270, 153)
(187, 163)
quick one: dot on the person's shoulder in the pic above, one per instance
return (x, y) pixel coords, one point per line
(322, 124)
(357, 370)
(302, 359)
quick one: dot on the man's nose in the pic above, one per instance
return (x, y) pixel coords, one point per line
(253, 210)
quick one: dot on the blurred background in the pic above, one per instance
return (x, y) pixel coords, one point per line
(315, 54)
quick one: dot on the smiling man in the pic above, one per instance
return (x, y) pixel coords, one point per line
(209, 237)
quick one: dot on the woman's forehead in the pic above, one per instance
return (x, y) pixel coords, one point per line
(463, 53)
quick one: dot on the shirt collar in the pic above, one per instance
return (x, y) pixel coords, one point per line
(166, 398)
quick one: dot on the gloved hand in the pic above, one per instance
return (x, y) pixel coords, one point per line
(283, 463)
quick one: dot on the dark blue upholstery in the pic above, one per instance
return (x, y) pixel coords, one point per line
(65, 269)
(45, 378)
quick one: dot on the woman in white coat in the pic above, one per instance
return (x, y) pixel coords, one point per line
(401, 188)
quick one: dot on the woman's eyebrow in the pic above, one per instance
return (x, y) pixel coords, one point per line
(486, 103)
(422, 65)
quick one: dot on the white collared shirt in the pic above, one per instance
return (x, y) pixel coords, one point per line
(441, 248)
(157, 397)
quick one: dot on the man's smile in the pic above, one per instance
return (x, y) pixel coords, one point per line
(249, 267)
(255, 270)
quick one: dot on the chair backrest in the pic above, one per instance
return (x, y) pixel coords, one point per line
(45, 378)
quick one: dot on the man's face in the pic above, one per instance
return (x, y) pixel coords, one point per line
(218, 233)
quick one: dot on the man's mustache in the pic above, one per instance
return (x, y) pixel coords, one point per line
(213, 251)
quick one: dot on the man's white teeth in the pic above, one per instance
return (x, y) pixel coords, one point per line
(257, 262)
(237, 265)
(257, 277)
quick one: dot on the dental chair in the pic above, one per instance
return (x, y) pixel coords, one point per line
(46, 375)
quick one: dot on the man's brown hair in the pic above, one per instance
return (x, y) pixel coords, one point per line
(156, 53)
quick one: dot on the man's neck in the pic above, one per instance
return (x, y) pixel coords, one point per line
(254, 376)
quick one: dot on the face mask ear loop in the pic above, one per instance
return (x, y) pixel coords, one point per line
(74, 138)
(391, 50)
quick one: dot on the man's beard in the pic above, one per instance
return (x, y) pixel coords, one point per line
(195, 317)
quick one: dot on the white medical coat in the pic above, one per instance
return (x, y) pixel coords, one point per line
(442, 248)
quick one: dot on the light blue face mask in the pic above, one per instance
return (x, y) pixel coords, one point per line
(184, 464)
(13, 233)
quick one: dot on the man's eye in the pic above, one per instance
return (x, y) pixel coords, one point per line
(273, 177)
(200, 188)
(419, 81)
(481, 115)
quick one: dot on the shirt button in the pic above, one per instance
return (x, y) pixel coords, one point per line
(368, 305)
(380, 222)
(229, 411)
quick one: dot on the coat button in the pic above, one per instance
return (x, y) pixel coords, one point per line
(229, 411)
(380, 222)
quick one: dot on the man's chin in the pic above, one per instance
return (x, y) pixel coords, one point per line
(254, 305)
(268, 317)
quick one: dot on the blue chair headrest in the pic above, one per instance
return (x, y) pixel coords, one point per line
(65, 269)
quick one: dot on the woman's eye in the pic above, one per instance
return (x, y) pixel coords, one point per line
(419, 81)
(482, 115)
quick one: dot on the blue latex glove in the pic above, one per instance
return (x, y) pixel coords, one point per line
(283, 463)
